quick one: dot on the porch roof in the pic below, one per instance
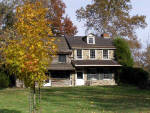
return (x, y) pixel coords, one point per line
(61, 66)
(81, 63)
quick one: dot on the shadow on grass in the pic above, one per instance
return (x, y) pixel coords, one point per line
(102, 98)
(2, 89)
(8, 111)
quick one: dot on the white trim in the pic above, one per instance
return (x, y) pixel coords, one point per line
(97, 65)
(91, 36)
(77, 78)
(93, 40)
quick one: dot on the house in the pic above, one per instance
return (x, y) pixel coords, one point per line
(87, 60)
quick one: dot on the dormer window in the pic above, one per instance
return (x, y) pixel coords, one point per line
(91, 39)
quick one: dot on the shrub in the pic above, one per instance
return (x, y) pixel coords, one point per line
(4, 80)
(134, 76)
(123, 53)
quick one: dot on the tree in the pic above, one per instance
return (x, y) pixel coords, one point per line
(29, 51)
(111, 16)
(146, 59)
(56, 12)
(123, 53)
(60, 25)
(68, 27)
(6, 16)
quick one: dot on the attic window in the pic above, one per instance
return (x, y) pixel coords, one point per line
(91, 39)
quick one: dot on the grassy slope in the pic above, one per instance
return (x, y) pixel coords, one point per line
(79, 100)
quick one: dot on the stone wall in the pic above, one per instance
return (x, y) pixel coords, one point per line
(100, 82)
(86, 54)
(99, 54)
(72, 78)
(59, 82)
(111, 54)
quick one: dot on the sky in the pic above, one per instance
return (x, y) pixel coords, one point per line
(140, 7)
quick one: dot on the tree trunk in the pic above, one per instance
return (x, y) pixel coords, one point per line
(39, 99)
(34, 99)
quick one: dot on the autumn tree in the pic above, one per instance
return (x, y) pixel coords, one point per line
(55, 14)
(29, 51)
(68, 27)
(111, 16)
(60, 26)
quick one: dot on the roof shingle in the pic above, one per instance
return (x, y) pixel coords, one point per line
(79, 42)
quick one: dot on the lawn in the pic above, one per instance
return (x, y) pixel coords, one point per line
(110, 99)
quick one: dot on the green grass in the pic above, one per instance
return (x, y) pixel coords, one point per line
(108, 99)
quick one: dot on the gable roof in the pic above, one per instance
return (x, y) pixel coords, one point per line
(79, 42)
(62, 45)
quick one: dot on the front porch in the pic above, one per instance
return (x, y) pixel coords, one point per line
(95, 76)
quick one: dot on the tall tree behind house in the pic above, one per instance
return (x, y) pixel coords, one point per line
(113, 17)
(56, 12)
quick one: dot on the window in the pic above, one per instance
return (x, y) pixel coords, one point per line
(107, 76)
(62, 58)
(92, 53)
(92, 74)
(79, 53)
(105, 54)
(91, 41)
(79, 75)
(99, 76)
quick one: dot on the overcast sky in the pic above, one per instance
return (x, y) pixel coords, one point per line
(141, 7)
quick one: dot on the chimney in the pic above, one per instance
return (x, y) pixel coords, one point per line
(106, 36)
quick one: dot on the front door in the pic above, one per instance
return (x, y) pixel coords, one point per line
(79, 79)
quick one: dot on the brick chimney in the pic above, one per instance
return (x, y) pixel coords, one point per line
(106, 36)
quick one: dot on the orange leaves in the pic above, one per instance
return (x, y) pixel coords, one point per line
(30, 55)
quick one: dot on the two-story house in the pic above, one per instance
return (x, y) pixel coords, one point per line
(87, 60)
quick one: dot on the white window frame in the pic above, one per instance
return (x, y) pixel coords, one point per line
(103, 54)
(90, 36)
(82, 74)
(77, 54)
(90, 54)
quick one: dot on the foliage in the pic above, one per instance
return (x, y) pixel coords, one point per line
(146, 58)
(29, 51)
(111, 16)
(4, 80)
(68, 28)
(134, 76)
(7, 16)
(29, 55)
(56, 10)
(123, 53)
